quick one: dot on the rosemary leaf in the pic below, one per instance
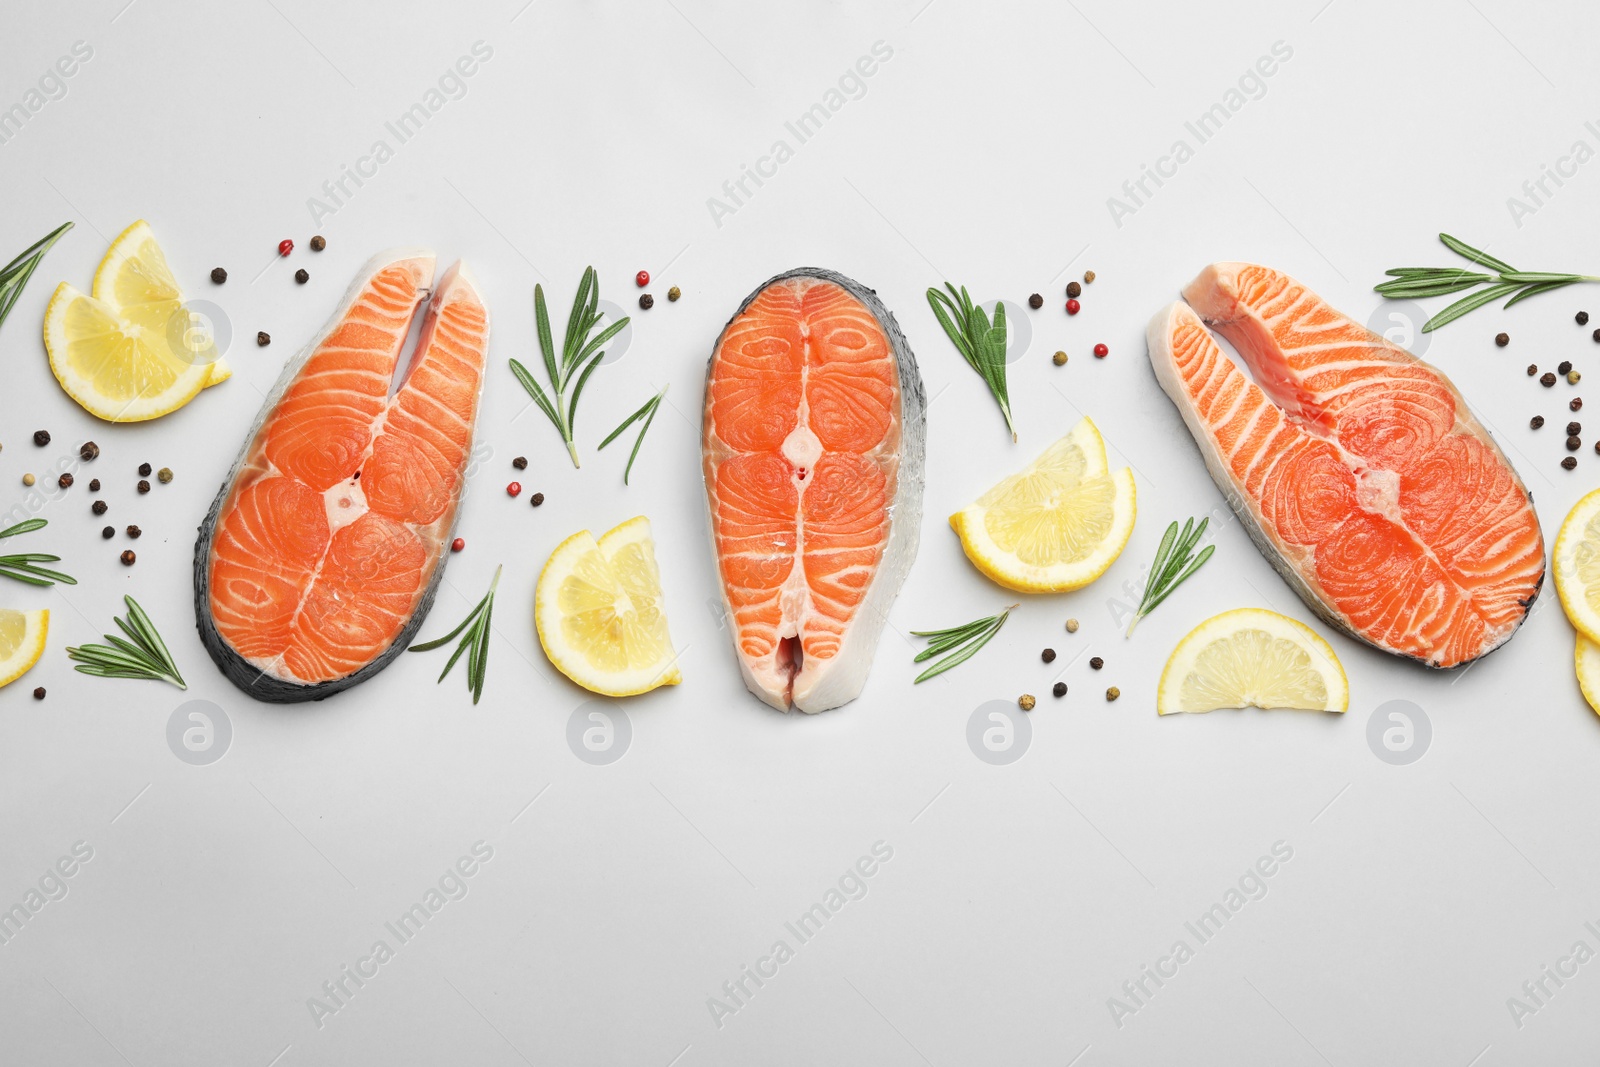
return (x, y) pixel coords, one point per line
(1172, 566)
(580, 356)
(14, 275)
(475, 629)
(143, 656)
(966, 639)
(1420, 283)
(648, 414)
(981, 344)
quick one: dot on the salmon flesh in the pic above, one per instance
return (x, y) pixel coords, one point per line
(320, 556)
(1355, 466)
(812, 449)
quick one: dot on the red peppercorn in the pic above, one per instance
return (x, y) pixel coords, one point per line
(458, 544)
(1072, 307)
(285, 246)
(514, 489)
(1101, 351)
(642, 279)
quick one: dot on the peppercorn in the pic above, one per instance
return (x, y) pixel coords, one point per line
(38, 692)
(108, 533)
(1113, 693)
(1101, 351)
(144, 470)
(41, 437)
(88, 450)
(1096, 662)
(1502, 339)
(134, 532)
(94, 485)
(318, 243)
(1569, 463)
(302, 276)
(1573, 377)
(1048, 655)
(1574, 443)
(1074, 289)
(521, 463)
(1596, 335)
(1072, 626)
(1073, 307)
(98, 507)
(1583, 318)
(144, 486)
(674, 293)
(642, 279)
(458, 544)
(1026, 702)
(1532, 370)
(1564, 366)
(1597, 448)
(1547, 379)
(514, 489)
(1059, 689)
(1536, 422)
(127, 557)
(219, 275)
(28, 479)
(1574, 427)
(536, 499)
(164, 475)
(1036, 301)
(285, 246)
(1575, 404)
(263, 339)
(65, 481)
(1088, 277)
(1059, 359)
(646, 301)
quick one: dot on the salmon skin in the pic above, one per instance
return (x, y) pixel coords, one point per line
(320, 556)
(812, 445)
(1356, 467)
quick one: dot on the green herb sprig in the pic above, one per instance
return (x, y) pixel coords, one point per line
(981, 343)
(648, 414)
(475, 642)
(1173, 565)
(580, 355)
(24, 567)
(1419, 283)
(143, 655)
(965, 640)
(14, 275)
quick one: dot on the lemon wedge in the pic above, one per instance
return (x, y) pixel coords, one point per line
(1252, 658)
(129, 351)
(598, 608)
(1057, 524)
(1576, 564)
(22, 635)
(1586, 658)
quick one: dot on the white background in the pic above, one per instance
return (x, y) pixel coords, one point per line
(1019, 898)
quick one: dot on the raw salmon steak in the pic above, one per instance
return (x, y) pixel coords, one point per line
(1356, 467)
(320, 556)
(812, 448)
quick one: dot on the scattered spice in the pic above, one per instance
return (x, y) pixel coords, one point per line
(1532, 370)
(144, 486)
(1547, 379)
(1036, 301)
(1574, 443)
(514, 489)
(164, 475)
(1088, 277)
(458, 544)
(646, 301)
(1574, 427)
(318, 243)
(263, 339)
(1573, 377)
(302, 276)
(1072, 626)
(41, 437)
(1059, 689)
(1564, 366)
(218, 275)
(1502, 339)
(1026, 702)
(1073, 307)
(1113, 693)
(536, 499)
(1536, 422)
(1101, 351)
(520, 463)
(1048, 655)
(134, 532)
(674, 293)
(1569, 463)
(144, 470)
(98, 507)
(1096, 662)
(1597, 335)
(1576, 403)
(108, 533)
(88, 450)
(65, 481)
(1074, 289)
(1583, 318)
(127, 557)
(38, 692)
(1059, 359)
(94, 485)
(285, 246)
(28, 479)
(642, 279)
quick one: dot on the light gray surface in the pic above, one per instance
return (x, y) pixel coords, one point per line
(1019, 898)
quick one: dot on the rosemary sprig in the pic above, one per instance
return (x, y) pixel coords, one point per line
(1173, 565)
(1419, 283)
(965, 640)
(648, 414)
(580, 355)
(981, 344)
(24, 567)
(475, 642)
(144, 655)
(15, 275)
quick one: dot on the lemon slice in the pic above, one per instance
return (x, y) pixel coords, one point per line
(1057, 524)
(1586, 657)
(22, 635)
(1576, 563)
(1252, 658)
(598, 608)
(128, 351)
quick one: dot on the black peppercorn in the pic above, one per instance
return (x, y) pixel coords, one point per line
(318, 243)
(1096, 662)
(144, 486)
(1574, 427)
(94, 485)
(646, 301)
(219, 275)
(1059, 689)
(521, 463)
(89, 450)
(302, 276)
(127, 557)
(1502, 339)
(1569, 463)
(1036, 301)
(1547, 379)
(1536, 422)
(98, 507)
(65, 481)
(38, 693)
(1583, 318)
(108, 533)
(1596, 335)
(536, 499)
(1574, 443)
(134, 531)
(1074, 289)
(1564, 366)
(1532, 370)
(1576, 403)
(144, 470)
(1048, 655)
(263, 339)
(41, 437)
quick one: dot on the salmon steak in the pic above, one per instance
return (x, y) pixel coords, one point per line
(812, 449)
(320, 557)
(1355, 466)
